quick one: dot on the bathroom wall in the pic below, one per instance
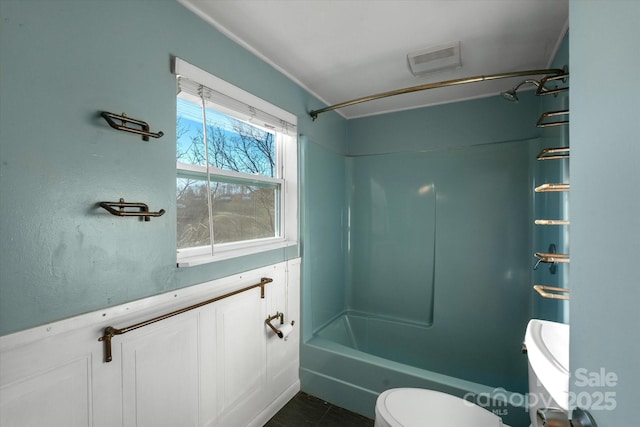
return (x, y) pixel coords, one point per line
(62, 63)
(605, 208)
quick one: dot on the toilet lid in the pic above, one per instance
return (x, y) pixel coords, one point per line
(412, 407)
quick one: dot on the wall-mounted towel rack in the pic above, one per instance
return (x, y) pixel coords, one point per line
(110, 331)
(544, 116)
(551, 222)
(544, 90)
(122, 206)
(546, 292)
(124, 120)
(554, 153)
(546, 188)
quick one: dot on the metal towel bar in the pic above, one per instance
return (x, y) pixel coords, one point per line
(124, 120)
(546, 188)
(554, 153)
(542, 290)
(544, 90)
(110, 331)
(544, 116)
(144, 209)
(552, 222)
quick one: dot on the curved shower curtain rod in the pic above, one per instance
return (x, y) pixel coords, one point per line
(454, 82)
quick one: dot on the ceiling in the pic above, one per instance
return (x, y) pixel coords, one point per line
(344, 49)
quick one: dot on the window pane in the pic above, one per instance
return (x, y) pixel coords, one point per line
(234, 145)
(189, 146)
(237, 146)
(244, 212)
(193, 213)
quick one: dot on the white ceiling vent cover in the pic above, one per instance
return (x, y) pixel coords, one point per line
(435, 58)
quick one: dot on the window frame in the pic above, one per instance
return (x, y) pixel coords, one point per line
(286, 145)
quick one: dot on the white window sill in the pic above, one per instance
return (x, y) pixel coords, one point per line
(199, 259)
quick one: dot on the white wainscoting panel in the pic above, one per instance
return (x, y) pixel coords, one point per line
(241, 369)
(59, 396)
(217, 365)
(160, 374)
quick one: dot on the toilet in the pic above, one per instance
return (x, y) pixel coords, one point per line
(548, 353)
(415, 407)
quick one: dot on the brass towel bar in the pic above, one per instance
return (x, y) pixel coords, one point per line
(124, 120)
(110, 331)
(554, 153)
(144, 209)
(544, 90)
(551, 222)
(542, 290)
(547, 188)
(542, 123)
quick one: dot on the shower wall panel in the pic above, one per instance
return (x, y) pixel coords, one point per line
(393, 237)
(324, 238)
(442, 238)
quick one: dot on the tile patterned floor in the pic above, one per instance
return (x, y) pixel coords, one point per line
(306, 410)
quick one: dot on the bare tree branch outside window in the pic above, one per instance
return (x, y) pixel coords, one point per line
(241, 211)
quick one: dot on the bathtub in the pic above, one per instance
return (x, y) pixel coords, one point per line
(356, 356)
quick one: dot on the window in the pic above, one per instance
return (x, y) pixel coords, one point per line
(236, 170)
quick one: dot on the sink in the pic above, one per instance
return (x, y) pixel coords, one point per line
(548, 352)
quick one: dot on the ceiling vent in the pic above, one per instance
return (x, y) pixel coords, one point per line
(438, 58)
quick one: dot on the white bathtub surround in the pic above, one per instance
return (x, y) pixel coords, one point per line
(217, 365)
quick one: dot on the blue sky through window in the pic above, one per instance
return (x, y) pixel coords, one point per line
(226, 129)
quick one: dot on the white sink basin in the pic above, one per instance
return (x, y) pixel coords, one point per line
(548, 352)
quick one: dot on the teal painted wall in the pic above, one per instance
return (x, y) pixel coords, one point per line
(605, 204)
(62, 62)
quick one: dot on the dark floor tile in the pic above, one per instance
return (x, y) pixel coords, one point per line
(339, 417)
(302, 410)
(307, 410)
